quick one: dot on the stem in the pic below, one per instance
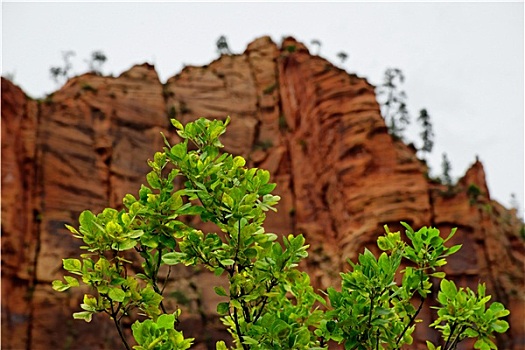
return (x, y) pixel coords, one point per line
(410, 321)
(166, 279)
(457, 339)
(237, 248)
(452, 328)
(153, 277)
(114, 315)
(238, 328)
(371, 309)
(119, 329)
(273, 283)
(155, 286)
(422, 300)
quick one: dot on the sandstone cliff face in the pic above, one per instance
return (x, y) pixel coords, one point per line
(316, 128)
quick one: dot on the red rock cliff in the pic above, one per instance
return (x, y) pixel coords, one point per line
(316, 128)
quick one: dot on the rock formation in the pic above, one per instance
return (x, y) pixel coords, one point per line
(315, 127)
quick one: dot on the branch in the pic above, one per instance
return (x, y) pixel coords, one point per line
(422, 300)
(114, 314)
(452, 328)
(238, 328)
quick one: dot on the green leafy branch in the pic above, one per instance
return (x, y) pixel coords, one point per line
(269, 303)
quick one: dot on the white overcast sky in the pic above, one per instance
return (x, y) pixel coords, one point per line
(463, 62)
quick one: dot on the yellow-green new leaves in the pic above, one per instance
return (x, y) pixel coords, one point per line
(60, 286)
(160, 334)
(108, 229)
(91, 306)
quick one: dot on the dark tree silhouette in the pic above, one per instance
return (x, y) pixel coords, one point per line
(222, 46)
(61, 73)
(514, 204)
(317, 44)
(393, 102)
(427, 134)
(446, 168)
(342, 56)
(95, 62)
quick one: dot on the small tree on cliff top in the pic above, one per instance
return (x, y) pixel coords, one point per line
(96, 61)
(393, 102)
(60, 74)
(269, 303)
(222, 46)
(427, 134)
(446, 167)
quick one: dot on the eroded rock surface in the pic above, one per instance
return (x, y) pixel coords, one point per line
(315, 127)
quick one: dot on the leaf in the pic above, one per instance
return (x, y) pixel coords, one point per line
(86, 218)
(278, 327)
(481, 344)
(448, 288)
(227, 262)
(117, 294)
(498, 310)
(452, 233)
(166, 321)
(379, 322)
(266, 189)
(190, 209)
(330, 326)
(239, 162)
(384, 262)
(438, 274)
(144, 192)
(72, 265)
(176, 124)
(223, 308)
(83, 315)
(220, 291)
(179, 150)
(74, 231)
(500, 326)
(153, 180)
(250, 253)
(71, 281)
(228, 200)
(263, 175)
(431, 346)
(89, 303)
(221, 345)
(440, 262)
(124, 245)
(249, 340)
(60, 286)
(383, 243)
(173, 258)
(149, 241)
(408, 228)
(454, 249)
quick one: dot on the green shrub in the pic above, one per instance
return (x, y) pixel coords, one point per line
(87, 87)
(473, 192)
(270, 303)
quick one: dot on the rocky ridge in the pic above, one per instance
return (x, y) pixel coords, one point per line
(315, 127)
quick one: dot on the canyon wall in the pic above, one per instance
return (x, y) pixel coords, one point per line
(315, 127)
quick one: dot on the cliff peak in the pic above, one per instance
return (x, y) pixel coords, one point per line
(475, 176)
